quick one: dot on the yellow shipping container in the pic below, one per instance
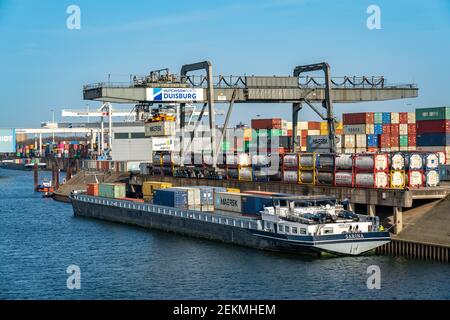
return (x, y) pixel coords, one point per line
(247, 133)
(233, 190)
(324, 125)
(323, 132)
(340, 126)
(149, 186)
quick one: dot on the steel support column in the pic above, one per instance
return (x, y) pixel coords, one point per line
(327, 102)
(296, 107)
(205, 65)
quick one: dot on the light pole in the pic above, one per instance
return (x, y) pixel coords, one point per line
(53, 121)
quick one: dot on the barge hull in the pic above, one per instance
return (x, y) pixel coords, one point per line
(189, 227)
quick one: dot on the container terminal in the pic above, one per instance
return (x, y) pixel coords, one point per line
(394, 162)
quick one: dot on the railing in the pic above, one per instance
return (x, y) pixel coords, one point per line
(224, 82)
(195, 215)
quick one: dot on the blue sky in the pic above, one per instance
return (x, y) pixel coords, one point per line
(44, 65)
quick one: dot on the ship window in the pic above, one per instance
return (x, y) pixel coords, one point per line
(286, 229)
(327, 230)
(294, 230)
(280, 228)
(138, 135)
(302, 230)
(121, 135)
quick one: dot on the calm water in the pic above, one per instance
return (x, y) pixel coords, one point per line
(40, 238)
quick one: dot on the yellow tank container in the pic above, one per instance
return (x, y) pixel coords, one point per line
(149, 186)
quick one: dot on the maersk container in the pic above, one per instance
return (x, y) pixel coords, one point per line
(372, 180)
(432, 178)
(290, 160)
(343, 179)
(325, 162)
(398, 179)
(290, 176)
(415, 179)
(431, 161)
(371, 162)
(307, 161)
(241, 203)
(397, 161)
(414, 161)
(317, 142)
(344, 161)
(325, 178)
(112, 190)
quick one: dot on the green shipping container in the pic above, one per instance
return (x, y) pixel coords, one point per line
(403, 141)
(225, 146)
(441, 113)
(378, 117)
(112, 190)
(268, 133)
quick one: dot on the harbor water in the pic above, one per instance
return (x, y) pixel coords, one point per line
(40, 239)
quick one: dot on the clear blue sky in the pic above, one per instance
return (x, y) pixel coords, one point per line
(43, 65)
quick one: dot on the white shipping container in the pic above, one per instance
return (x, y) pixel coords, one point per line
(302, 125)
(411, 117)
(395, 117)
(370, 129)
(313, 132)
(361, 141)
(228, 201)
(349, 141)
(360, 150)
(355, 129)
(403, 129)
(349, 150)
(412, 148)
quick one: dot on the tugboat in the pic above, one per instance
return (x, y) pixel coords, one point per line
(46, 188)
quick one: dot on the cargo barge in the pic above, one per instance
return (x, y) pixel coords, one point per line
(292, 224)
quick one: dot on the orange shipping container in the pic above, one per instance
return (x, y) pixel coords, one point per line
(313, 125)
(92, 189)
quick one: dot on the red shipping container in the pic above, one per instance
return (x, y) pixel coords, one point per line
(395, 141)
(274, 123)
(303, 144)
(358, 118)
(412, 129)
(433, 126)
(385, 140)
(289, 133)
(403, 117)
(386, 129)
(313, 125)
(412, 140)
(304, 133)
(395, 130)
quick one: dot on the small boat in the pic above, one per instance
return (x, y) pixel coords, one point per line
(46, 188)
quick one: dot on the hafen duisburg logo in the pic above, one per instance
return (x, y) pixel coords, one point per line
(157, 94)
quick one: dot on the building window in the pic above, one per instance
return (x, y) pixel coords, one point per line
(294, 230)
(121, 135)
(138, 135)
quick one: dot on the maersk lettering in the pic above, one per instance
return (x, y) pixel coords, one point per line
(228, 202)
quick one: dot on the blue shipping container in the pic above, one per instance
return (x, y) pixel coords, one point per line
(171, 198)
(444, 172)
(372, 140)
(386, 117)
(433, 139)
(378, 129)
(253, 204)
